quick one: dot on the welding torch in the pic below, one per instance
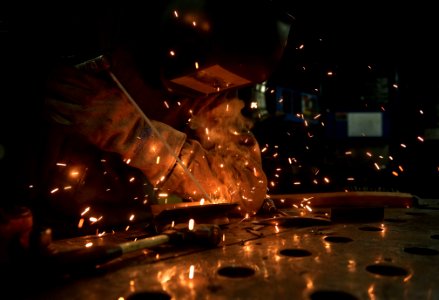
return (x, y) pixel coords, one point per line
(207, 235)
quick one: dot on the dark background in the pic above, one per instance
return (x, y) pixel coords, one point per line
(383, 57)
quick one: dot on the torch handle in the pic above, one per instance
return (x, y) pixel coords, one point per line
(144, 243)
(87, 257)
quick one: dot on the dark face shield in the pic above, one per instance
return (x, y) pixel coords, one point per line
(209, 46)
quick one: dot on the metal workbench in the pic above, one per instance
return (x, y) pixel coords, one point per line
(396, 257)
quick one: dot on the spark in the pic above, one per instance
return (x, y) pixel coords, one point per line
(172, 52)
(403, 145)
(94, 219)
(80, 223)
(132, 179)
(166, 104)
(157, 160)
(74, 173)
(191, 224)
(176, 13)
(420, 139)
(61, 164)
(191, 271)
(89, 244)
(196, 65)
(54, 190)
(132, 217)
(86, 210)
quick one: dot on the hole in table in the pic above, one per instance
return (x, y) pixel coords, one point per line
(387, 270)
(236, 271)
(331, 294)
(338, 239)
(421, 251)
(295, 252)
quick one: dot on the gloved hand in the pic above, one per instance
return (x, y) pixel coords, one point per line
(225, 157)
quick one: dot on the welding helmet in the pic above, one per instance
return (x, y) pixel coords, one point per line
(207, 46)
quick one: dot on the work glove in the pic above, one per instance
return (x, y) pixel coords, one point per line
(223, 154)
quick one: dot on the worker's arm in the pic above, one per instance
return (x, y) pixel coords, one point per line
(223, 158)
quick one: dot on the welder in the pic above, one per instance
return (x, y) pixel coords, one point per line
(144, 104)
